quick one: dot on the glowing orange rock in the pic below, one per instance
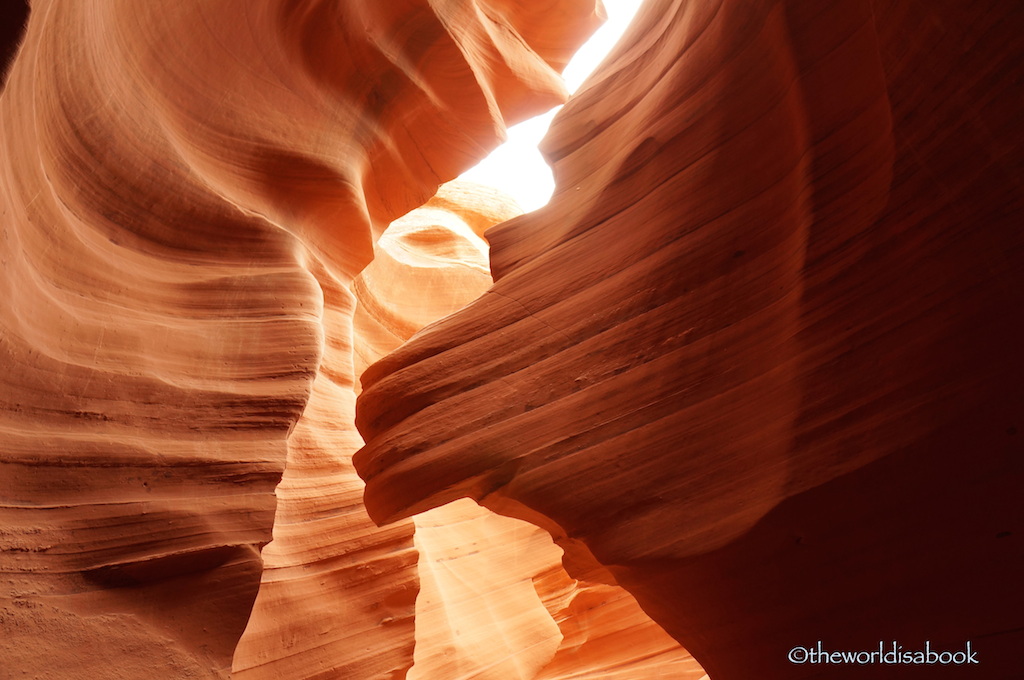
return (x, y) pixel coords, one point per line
(186, 192)
(495, 601)
(758, 355)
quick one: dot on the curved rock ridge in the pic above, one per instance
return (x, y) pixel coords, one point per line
(758, 355)
(186, 191)
(495, 601)
(427, 264)
(332, 580)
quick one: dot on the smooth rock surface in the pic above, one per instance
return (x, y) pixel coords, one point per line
(495, 602)
(186, 191)
(760, 355)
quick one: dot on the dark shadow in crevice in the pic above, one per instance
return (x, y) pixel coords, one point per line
(13, 19)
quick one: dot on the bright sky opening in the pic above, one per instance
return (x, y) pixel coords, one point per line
(516, 167)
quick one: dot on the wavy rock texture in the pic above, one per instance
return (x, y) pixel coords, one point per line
(760, 354)
(186, 191)
(427, 265)
(495, 602)
(332, 580)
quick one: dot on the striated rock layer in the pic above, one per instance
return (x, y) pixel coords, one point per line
(760, 355)
(186, 191)
(495, 602)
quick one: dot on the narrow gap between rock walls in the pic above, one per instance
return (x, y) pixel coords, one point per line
(516, 167)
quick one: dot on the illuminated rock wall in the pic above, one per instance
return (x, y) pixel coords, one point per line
(756, 365)
(186, 191)
(760, 354)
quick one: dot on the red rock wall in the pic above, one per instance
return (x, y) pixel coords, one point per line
(760, 354)
(495, 602)
(186, 191)
(759, 357)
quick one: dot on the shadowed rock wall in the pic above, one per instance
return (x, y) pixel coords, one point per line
(760, 354)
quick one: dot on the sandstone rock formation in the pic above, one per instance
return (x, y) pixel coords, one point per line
(495, 602)
(187, 191)
(760, 355)
(757, 364)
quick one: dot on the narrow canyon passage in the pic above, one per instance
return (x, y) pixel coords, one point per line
(748, 384)
(185, 254)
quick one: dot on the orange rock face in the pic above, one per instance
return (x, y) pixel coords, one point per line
(754, 372)
(495, 601)
(759, 355)
(187, 192)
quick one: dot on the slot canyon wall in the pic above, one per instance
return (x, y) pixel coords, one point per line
(760, 354)
(191, 197)
(756, 365)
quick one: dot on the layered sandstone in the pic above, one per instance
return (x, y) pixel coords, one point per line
(187, 191)
(758, 361)
(760, 354)
(495, 602)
